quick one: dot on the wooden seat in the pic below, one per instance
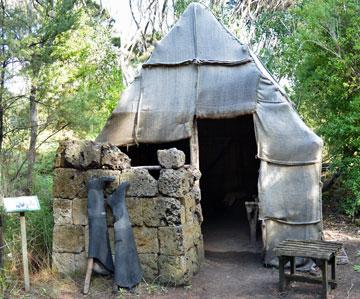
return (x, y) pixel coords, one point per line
(323, 251)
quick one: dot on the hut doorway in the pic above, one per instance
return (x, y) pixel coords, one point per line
(229, 178)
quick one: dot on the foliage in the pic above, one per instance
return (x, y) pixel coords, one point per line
(62, 56)
(317, 49)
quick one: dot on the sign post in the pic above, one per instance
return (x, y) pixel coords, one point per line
(23, 204)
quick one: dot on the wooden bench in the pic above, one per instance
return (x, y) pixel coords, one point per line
(323, 252)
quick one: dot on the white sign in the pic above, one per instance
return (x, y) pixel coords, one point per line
(21, 204)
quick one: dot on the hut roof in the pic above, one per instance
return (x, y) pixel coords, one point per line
(201, 70)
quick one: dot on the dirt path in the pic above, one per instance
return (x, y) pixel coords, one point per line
(223, 275)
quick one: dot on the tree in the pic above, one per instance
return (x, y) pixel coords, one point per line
(318, 50)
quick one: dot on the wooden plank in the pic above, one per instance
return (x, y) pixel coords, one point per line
(309, 249)
(304, 253)
(321, 243)
(303, 278)
(312, 245)
(24, 251)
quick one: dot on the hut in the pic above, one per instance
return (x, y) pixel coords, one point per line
(205, 93)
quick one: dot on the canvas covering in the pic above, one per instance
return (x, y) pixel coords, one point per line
(200, 70)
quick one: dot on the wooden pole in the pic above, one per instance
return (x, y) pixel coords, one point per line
(24, 251)
(194, 147)
(89, 270)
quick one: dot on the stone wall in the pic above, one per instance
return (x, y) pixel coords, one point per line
(165, 213)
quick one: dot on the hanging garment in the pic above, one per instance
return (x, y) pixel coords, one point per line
(99, 243)
(128, 272)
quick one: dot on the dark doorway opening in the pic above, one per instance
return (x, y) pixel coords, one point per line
(229, 178)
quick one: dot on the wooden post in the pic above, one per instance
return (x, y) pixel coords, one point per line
(194, 147)
(281, 273)
(89, 270)
(325, 278)
(24, 251)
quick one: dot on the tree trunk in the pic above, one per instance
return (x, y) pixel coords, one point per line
(33, 138)
(2, 85)
(2, 75)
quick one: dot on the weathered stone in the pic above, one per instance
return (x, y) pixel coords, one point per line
(113, 158)
(141, 182)
(63, 262)
(198, 213)
(200, 251)
(171, 158)
(80, 260)
(171, 240)
(192, 261)
(175, 183)
(149, 264)
(79, 211)
(189, 205)
(162, 211)
(68, 238)
(62, 211)
(134, 207)
(195, 193)
(60, 156)
(80, 154)
(97, 173)
(86, 239)
(189, 232)
(146, 239)
(173, 270)
(195, 172)
(69, 183)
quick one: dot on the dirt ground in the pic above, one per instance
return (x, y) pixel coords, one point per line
(223, 275)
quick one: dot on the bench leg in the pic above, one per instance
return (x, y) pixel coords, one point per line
(325, 283)
(292, 265)
(333, 271)
(281, 273)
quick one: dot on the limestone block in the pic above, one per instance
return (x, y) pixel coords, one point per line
(173, 270)
(60, 155)
(162, 211)
(97, 173)
(195, 172)
(192, 260)
(198, 213)
(68, 238)
(189, 233)
(149, 264)
(175, 183)
(80, 260)
(113, 158)
(63, 262)
(171, 158)
(134, 206)
(195, 193)
(79, 154)
(141, 182)
(146, 239)
(188, 202)
(86, 239)
(79, 211)
(171, 240)
(62, 211)
(200, 251)
(69, 183)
